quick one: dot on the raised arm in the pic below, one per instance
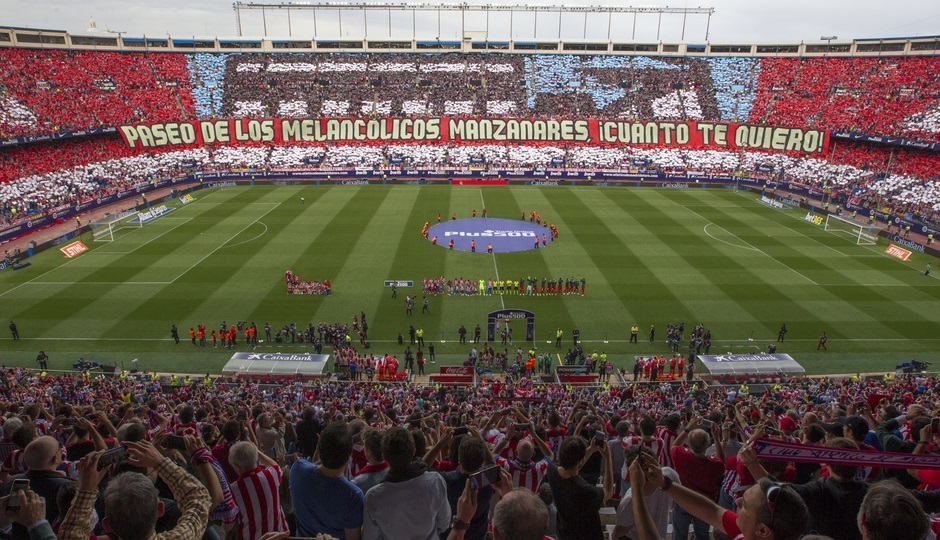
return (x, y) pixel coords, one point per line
(435, 450)
(748, 456)
(645, 526)
(684, 433)
(692, 502)
(717, 435)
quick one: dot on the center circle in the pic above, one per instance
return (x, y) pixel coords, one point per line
(505, 235)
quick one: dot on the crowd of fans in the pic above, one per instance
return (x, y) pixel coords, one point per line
(47, 91)
(45, 177)
(52, 91)
(889, 96)
(372, 84)
(41, 193)
(129, 457)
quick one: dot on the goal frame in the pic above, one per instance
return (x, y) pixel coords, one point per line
(853, 229)
(103, 230)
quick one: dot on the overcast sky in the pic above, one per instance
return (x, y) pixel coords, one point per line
(734, 20)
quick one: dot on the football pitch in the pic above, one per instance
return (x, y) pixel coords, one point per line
(649, 256)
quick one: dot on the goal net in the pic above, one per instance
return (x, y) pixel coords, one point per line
(103, 231)
(862, 235)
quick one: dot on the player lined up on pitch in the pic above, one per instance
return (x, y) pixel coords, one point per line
(529, 286)
(335, 335)
(295, 285)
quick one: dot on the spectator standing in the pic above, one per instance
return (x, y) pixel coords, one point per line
(658, 503)
(698, 472)
(42, 457)
(889, 511)
(768, 510)
(270, 435)
(324, 500)
(472, 455)
(577, 501)
(412, 501)
(231, 434)
(308, 432)
(833, 501)
(131, 501)
(376, 468)
(622, 430)
(519, 515)
(256, 492)
(649, 439)
(523, 471)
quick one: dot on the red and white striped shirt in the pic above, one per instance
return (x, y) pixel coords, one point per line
(554, 437)
(6, 448)
(526, 475)
(42, 426)
(259, 506)
(655, 444)
(14, 463)
(669, 438)
(357, 461)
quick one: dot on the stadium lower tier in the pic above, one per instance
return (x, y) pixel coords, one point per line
(54, 177)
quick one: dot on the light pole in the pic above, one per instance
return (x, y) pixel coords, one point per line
(828, 40)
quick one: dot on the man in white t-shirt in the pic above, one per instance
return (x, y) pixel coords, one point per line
(658, 502)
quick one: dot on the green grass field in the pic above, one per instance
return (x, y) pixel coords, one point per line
(649, 256)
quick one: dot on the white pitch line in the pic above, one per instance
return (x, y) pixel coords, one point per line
(70, 261)
(752, 247)
(265, 231)
(226, 242)
(501, 301)
(100, 283)
(148, 241)
(798, 232)
(35, 279)
(876, 285)
(66, 263)
(705, 229)
(869, 248)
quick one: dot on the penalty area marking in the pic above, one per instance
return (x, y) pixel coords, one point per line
(748, 246)
(226, 242)
(874, 250)
(70, 261)
(105, 252)
(265, 231)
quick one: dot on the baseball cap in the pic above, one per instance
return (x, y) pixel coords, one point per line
(858, 426)
(788, 424)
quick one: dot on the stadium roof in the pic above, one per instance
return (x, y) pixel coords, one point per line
(750, 364)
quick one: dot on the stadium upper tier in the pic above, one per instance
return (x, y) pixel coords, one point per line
(48, 91)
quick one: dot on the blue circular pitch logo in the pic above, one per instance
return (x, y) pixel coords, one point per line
(505, 235)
